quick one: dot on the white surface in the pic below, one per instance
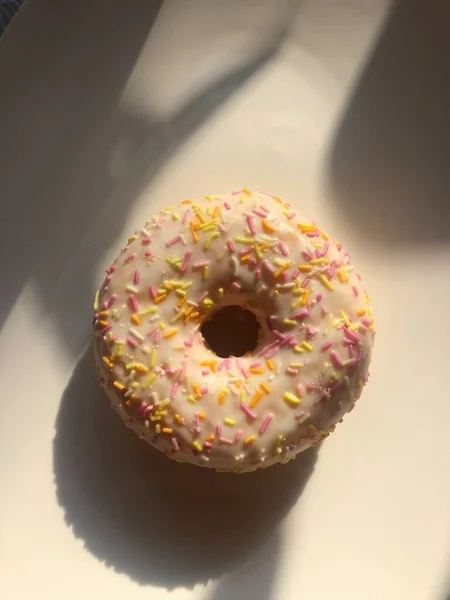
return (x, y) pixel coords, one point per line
(338, 106)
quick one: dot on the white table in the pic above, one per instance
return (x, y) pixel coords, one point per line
(110, 110)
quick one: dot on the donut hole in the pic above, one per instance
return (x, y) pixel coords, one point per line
(231, 331)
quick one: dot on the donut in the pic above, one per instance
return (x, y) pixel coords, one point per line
(249, 260)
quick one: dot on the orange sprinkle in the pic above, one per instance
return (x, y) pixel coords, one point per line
(238, 384)
(211, 437)
(305, 297)
(361, 312)
(265, 387)
(276, 292)
(221, 398)
(136, 319)
(279, 200)
(118, 385)
(179, 419)
(104, 313)
(160, 298)
(170, 333)
(281, 270)
(212, 364)
(250, 439)
(245, 259)
(197, 390)
(256, 370)
(140, 367)
(181, 301)
(186, 202)
(256, 398)
(216, 212)
(305, 268)
(167, 430)
(103, 323)
(199, 216)
(201, 415)
(270, 364)
(195, 237)
(268, 227)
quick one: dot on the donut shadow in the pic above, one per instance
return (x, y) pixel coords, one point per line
(389, 162)
(158, 521)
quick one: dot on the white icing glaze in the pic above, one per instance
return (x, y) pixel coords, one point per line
(252, 411)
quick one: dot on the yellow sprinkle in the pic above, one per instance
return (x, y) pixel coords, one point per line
(243, 240)
(155, 418)
(141, 368)
(107, 362)
(210, 239)
(323, 279)
(298, 291)
(132, 238)
(306, 227)
(170, 333)
(229, 421)
(296, 365)
(150, 379)
(162, 325)
(167, 430)
(118, 385)
(180, 293)
(243, 396)
(119, 349)
(305, 268)
(152, 358)
(259, 252)
(319, 261)
(96, 302)
(298, 349)
(148, 311)
(270, 364)
(280, 438)
(207, 225)
(296, 303)
(205, 272)
(208, 302)
(289, 322)
(324, 235)
(197, 445)
(256, 398)
(176, 217)
(306, 346)
(345, 318)
(157, 428)
(291, 398)
(281, 271)
(256, 370)
(191, 398)
(250, 439)
(160, 298)
(220, 292)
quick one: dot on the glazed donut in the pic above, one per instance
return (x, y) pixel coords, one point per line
(176, 275)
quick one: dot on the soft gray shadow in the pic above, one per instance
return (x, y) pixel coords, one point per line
(60, 204)
(156, 520)
(390, 161)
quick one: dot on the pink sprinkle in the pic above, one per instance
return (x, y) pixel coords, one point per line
(153, 292)
(148, 254)
(201, 264)
(295, 274)
(207, 445)
(237, 286)
(230, 246)
(188, 343)
(204, 390)
(310, 387)
(301, 314)
(186, 260)
(255, 365)
(351, 350)
(351, 335)
(202, 297)
(115, 337)
(332, 269)
(133, 302)
(132, 342)
(137, 275)
(238, 435)
(222, 227)
(146, 240)
(111, 301)
(227, 205)
(326, 345)
(251, 225)
(355, 291)
(266, 264)
(106, 329)
(291, 215)
(250, 414)
(366, 321)
(300, 390)
(283, 248)
(173, 391)
(324, 311)
(247, 250)
(226, 441)
(312, 234)
(264, 208)
(160, 223)
(305, 282)
(311, 332)
(183, 371)
(318, 297)
(291, 371)
(186, 216)
(324, 250)
(108, 278)
(151, 331)
(258, 274)
(335, 358)
(131, 257)
(237, 192)
(219, 429)
(222, 364)
(307, 255)
(175, 444)
(252, 262)
(173, 241)
(259, 213)
(205, 372)
(112, 268)
(157, 336)
(265, 423)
